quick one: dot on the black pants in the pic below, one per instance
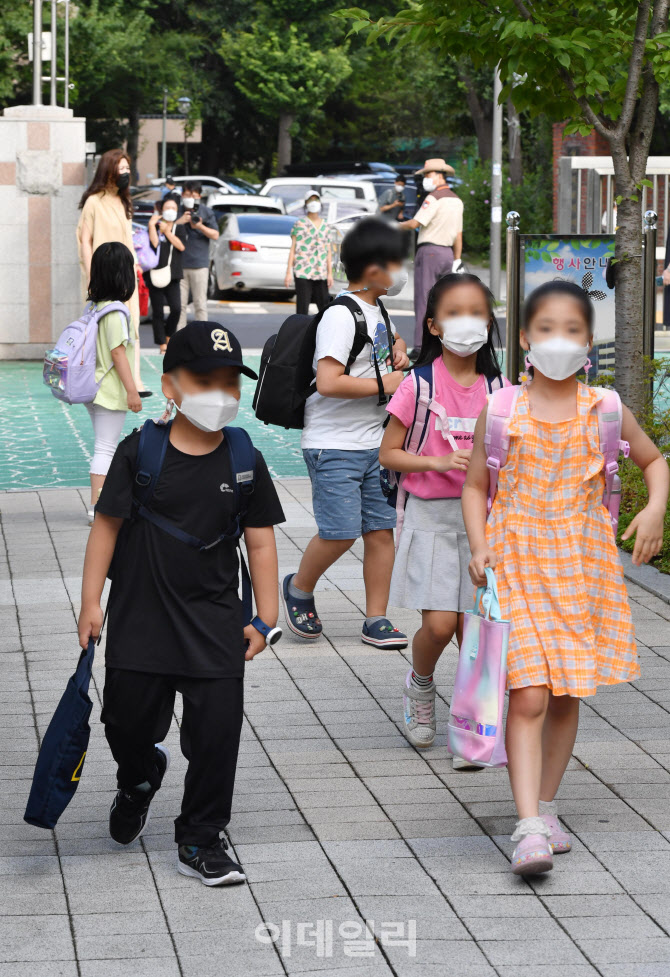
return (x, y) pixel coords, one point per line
(137, 712)
(170, 295)
(310, 290)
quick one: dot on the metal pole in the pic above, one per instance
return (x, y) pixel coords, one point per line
(67, 54)
(37, 52)
(649, 284)
(164, 145)
(496, 186)
(513, 297)
(54, 65)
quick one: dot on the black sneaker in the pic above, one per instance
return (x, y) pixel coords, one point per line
(212, 865)
(129, 813)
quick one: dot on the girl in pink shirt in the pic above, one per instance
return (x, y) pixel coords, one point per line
(460, 336)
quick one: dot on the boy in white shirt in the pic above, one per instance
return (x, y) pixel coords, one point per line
(342, 433)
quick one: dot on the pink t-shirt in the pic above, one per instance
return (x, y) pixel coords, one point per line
(462, 406)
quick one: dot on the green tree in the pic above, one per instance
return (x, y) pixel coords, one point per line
(597, 65)
(283, 76)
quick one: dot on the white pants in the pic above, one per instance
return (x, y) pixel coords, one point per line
(107, 427)
(195, 281)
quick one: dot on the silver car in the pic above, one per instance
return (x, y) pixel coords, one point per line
(252, 252)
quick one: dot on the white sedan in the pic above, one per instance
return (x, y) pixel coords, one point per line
(251, 253)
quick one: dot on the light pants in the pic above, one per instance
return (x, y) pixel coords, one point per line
(195, 281)
(107, 427)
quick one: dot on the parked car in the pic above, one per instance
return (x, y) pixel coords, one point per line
(252, 252)
(335, 168)
(211, 184)
(244, 203)
(293, 190)
(144, 204)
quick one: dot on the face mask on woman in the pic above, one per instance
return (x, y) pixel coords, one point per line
(558, 358)
(314, 207)
(169, 215)
(210, 410)
(123, 180)
(464, 334)
(428, 184)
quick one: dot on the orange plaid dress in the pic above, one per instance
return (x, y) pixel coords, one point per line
(559, 575)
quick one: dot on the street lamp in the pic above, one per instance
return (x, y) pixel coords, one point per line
(184, 104)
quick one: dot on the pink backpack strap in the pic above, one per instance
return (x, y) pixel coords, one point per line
(501, 405)
(610, 419)
(424, 385)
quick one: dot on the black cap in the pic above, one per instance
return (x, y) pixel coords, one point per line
(169, 178)
(204, 346)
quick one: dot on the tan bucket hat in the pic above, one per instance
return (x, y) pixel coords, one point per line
(436, 166)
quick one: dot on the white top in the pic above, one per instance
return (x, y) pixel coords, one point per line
(441, 220)
(332, 422)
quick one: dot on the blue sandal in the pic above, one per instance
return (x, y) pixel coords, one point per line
(300, 613)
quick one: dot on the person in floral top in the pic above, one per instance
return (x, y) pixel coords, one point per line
(309, 260)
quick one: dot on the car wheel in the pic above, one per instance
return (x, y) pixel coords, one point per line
(213, 290)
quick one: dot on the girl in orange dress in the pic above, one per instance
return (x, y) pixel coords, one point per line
(549, 538)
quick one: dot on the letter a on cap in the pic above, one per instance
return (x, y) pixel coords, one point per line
(221, 340)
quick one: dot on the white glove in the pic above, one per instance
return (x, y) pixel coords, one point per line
(457, 265)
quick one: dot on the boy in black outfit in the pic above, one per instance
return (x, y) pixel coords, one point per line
(175, 617)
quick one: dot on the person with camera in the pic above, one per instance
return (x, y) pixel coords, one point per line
(201, 227)
(392, 201)
(169, 240)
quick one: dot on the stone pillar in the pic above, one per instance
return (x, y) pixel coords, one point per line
(42, 177)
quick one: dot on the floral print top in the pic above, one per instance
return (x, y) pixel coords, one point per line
(311, 249)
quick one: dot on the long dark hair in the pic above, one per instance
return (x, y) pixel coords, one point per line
(112, 273)
(105, 179)
(487, 362)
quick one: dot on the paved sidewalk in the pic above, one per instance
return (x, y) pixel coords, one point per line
(336, 819)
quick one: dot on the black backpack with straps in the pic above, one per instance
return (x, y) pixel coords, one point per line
(286, 375)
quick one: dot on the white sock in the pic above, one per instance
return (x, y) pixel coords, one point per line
(422, 682)
(548, 807)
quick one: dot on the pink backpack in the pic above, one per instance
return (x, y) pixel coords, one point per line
(501, 407)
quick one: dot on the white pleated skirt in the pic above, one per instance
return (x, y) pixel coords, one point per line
(430, 572)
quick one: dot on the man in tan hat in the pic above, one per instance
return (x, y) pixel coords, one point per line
(440, 219)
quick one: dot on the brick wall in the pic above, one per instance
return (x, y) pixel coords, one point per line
(592, 145)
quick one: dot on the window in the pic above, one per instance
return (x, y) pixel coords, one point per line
(260, 224)
(220, 209)
(289, 191)
(342, 193)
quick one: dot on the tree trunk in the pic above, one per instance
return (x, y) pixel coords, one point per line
(286, 120)
(480, 119)
(132, 142)
(514, 145)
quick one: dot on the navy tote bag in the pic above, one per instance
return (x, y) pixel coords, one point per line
(61, 757)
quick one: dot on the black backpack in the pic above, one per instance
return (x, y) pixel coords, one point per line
(286, 376)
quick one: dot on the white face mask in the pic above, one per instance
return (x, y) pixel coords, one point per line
(399, 187)
(558, 358)
(314, 206)
(399, 279)
(210, 410)
(169, 215)
(188, 202)
(428, 184)
(464, 334)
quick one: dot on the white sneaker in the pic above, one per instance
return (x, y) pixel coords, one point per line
(419, 714)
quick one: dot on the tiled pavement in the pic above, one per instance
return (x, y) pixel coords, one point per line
(336, 817)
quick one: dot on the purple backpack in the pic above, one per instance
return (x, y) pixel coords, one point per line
(69, 368)
(147, 257)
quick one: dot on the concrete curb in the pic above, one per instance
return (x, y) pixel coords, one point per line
(649, 578)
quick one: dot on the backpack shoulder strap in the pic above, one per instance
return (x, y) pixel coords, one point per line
(243, 464)
(361, 337)
(610, 419)
(422, 378)
(387, 323)
(150, 457)
(112, 307)
(494, 383)
(500, 408)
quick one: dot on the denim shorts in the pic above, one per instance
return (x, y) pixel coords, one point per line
(346, 495)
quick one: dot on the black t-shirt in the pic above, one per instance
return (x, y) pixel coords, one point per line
(177, 260)
(174, 609)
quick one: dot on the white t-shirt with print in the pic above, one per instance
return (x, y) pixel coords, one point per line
(333, 422)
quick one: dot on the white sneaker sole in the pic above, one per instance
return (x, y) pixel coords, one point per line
(292, 627)
(391, 643)
(230, 879)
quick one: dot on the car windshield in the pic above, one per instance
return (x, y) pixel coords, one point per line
(262, 224)
(220, 209)
(239, 185)
(289, 191)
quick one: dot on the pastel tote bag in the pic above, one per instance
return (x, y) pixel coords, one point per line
(475, 732)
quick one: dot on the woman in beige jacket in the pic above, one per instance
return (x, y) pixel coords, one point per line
(106, 212)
